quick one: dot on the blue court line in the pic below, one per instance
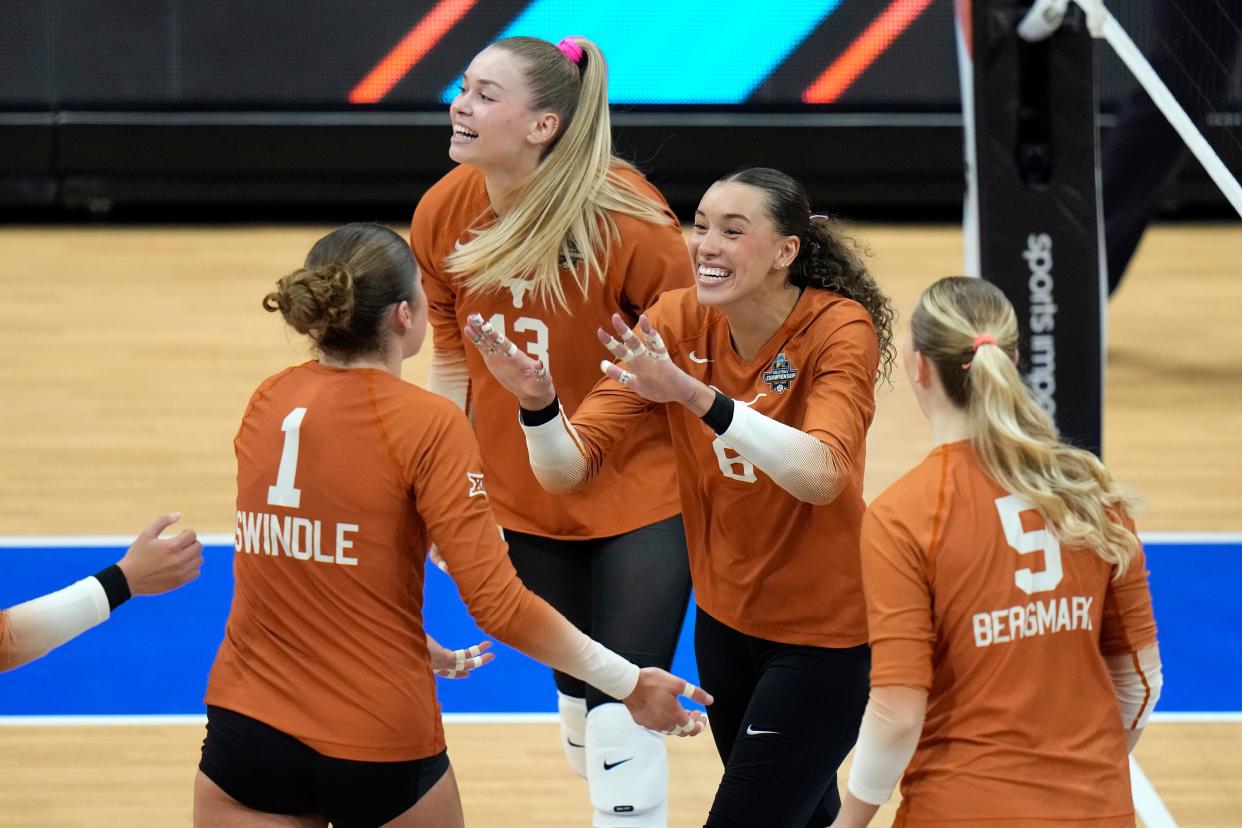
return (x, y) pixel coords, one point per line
(152, 657)
(685, 52)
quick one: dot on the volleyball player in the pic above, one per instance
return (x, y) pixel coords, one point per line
(321, 701)
(152, 565)
(544, 231)
(766, 373)
(1015, 652)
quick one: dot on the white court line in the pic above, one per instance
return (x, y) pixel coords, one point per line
(1209, 717)
(199, 720)
(1147, 802)
(1224, 717)
(123, 541)
(92, 541)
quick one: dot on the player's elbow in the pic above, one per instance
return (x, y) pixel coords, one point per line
(560, 479)
(817, 488)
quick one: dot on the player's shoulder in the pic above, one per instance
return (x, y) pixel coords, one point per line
(679, 310)
(830, 311)
(283, 380)
(460, 190)
(633, 228)
(411, 412)
(916, 491)
(395, 391)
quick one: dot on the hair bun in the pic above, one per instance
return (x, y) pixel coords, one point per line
(314, 300)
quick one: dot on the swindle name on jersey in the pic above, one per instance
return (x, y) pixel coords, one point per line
(261, 533)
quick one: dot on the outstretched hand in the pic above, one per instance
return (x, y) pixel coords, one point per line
(525, 378)
(153, 564)
(654, 705)
(457, 664)
(645, 368)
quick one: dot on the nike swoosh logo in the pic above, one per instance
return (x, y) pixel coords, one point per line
(758, 396)
(698, 359)
(572, 743)
(609, 766)
(750, 731)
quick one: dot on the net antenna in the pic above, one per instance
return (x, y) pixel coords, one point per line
(1045, 17)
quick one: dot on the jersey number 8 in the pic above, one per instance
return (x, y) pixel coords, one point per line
(733, 465)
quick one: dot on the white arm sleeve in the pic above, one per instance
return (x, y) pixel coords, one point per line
(36, 627)
(1137, 679)
(797, 462)
(559, 464)
(886, 741)
(600, 667)
(449, 376)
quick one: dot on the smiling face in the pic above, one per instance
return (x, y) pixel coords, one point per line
(494, 127)
(739, 257)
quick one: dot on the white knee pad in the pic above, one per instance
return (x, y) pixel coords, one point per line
(572, 712)
(627, 770)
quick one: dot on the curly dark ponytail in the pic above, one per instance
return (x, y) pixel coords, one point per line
(827, 258)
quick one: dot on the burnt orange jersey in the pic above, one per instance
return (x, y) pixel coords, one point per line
(344, 477)
(636, 486)
(969, 597)
(764, 562)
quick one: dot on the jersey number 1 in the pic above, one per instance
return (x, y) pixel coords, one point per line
(284, 493)
(1011, 508)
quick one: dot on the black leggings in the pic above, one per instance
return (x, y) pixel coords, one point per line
(628, 592)
(784, 719)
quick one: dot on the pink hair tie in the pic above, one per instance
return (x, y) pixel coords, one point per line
(981, 340)
(570, 48)
(817, 216)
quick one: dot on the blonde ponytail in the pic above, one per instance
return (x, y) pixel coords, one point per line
(969, 331)
(562, 212)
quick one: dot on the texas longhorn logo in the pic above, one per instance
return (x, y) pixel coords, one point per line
(780, 374)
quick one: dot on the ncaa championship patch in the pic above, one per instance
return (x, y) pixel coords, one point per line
(780, 374)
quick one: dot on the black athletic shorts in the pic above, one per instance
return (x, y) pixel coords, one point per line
(267, 770)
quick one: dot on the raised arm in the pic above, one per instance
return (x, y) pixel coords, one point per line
(150, 566)
(450, 492)
(799, 462)
(564, 454)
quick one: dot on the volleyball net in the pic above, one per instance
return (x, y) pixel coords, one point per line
(1041, 192)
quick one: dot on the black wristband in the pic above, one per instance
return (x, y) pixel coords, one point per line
(115, 586)
(720, 416)
(546, 414)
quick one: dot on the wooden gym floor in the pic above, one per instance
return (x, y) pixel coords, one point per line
(130, 353)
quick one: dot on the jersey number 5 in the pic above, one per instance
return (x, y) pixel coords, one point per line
(1011, 508)
(284, 493)
(537, 348)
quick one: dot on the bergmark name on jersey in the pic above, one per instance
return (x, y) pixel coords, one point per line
(1036, 618)
(260, 533)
